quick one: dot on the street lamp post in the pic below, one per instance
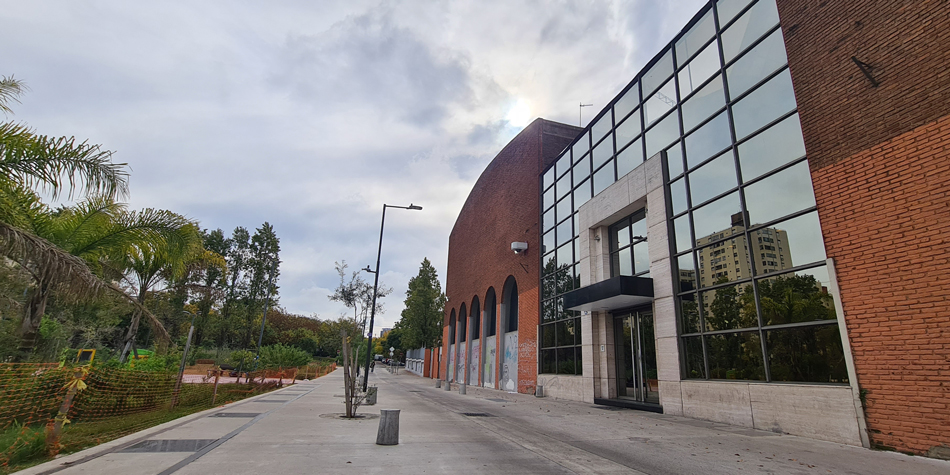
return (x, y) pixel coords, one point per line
(372, 312)
(260, 339)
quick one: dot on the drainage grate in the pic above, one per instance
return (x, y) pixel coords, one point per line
(476, 414)
(169, 445)
(414, 391)
(609, 408)
(272, 400)
(236, 414)
(497, 400)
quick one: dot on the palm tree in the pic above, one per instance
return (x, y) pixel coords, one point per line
(149, 263)
(65, 249)
(53, 164)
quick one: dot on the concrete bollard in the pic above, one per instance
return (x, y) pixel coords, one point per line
(371, 393)
(388, 433)
(447, 386)
(438, 383)
(462, 388)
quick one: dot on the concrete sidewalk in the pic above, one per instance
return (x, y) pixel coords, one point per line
(485, 431)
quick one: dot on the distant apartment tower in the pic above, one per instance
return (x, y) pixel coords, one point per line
(729, 258)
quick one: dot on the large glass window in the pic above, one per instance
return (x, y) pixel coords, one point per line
(629, 254)
(751, 284)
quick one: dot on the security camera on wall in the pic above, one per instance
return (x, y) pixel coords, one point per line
(519, 247)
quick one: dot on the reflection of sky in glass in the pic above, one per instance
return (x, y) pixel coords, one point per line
(548, 199)
(804, 236)
(681, 233)
(772, 148)
(674, 163)
(563, 185)
(678, 195)
(629, 158)
(703, 104)
(602, 152)
(713, 178)
(716, 216)
(563, 164)
(662, 134)
(781, 194)
(641, 257)
(563, 208)
(694, 39)
(601, 127)
(628, 130)
(549, 218)
(582, 194)
(755, 65)
(564, 232)
(548, 241)
(658, 73)
(548, 178)
(580, 147)
(603, 178)
(660, 103)
(729, 8)
(627, 103)
(708, 140)
(764, 105)
(699, 69)
(748, 28)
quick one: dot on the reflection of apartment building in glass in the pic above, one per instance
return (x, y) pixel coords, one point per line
(732, 256)
(712, 244)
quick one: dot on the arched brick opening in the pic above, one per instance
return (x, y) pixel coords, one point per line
(509, 335)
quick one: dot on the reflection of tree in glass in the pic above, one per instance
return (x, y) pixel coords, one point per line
(730, 308)
(801, 354)
(794, 298)
(690, 313)
(562, 280)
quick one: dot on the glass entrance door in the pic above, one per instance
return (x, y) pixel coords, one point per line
(636, 357)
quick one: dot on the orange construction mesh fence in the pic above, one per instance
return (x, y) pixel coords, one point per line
(46, 408)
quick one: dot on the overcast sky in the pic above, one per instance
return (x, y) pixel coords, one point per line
(312, 114)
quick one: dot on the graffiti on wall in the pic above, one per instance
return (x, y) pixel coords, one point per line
(488, 379)
(509, 375)
(460, 366)
(474, 358)
(451, 366)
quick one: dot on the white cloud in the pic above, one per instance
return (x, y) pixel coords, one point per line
(310, 115)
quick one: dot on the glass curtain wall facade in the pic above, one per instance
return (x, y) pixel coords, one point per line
(752, 285)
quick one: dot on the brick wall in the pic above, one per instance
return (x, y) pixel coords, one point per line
(503, 207)
(907, 43)
(880, 161)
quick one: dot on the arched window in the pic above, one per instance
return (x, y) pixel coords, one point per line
(476, 319)
(463, 320)
(509, 300)
(490, 312)
(452, 328)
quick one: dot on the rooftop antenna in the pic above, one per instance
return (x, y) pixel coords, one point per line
(580, 108)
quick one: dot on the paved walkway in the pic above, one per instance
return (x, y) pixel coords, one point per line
(485, 431)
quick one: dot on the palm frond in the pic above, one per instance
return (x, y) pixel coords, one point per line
(70, 275)
(53, 164)
(10, 91)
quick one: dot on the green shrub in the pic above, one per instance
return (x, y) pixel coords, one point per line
(282, 356)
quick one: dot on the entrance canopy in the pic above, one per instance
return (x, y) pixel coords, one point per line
(617, 292)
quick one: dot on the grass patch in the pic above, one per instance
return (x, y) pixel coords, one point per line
(24, 446)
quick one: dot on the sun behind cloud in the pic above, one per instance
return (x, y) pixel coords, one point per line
(519, 115)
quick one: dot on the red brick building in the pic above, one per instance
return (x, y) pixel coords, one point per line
(753, 231)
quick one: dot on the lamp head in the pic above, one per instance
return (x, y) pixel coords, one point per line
(412, 206)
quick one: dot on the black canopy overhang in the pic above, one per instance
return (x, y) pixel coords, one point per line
(614, 293)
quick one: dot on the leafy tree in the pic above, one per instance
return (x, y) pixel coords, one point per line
(238, 256)
(425, 306)
(358, 295)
